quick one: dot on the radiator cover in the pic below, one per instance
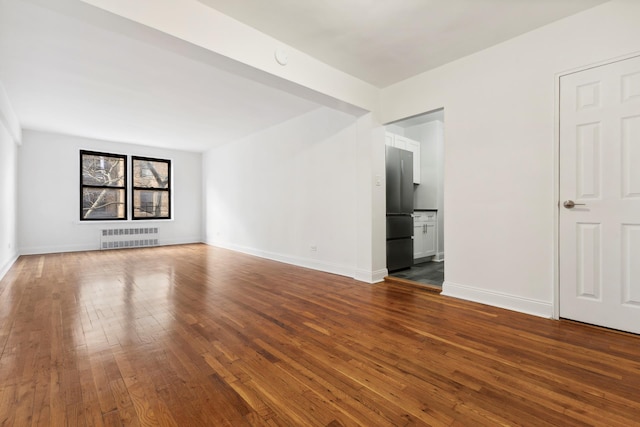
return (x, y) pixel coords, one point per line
(128, 237)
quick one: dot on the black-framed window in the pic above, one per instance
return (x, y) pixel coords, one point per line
(151, 188)
(103, 186)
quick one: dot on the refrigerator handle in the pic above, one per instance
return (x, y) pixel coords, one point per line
(401, 178)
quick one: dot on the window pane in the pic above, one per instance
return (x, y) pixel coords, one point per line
(150, 173)
(99, 170)
(103, 203)
(150, 204)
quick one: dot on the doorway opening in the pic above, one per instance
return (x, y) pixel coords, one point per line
(423, 135)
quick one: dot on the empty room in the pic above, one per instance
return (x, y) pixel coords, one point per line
(336, 213)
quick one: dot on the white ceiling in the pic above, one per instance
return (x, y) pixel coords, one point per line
(383, 42)
(69, 76)
(66, 71)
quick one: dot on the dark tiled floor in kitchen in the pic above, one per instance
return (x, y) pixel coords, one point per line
(430, 273)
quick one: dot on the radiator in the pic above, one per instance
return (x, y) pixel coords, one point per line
(138, 237)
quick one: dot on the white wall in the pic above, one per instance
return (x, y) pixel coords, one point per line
(430, 193)
(9, 138)
(371, 255)
(49, 200)
(425, 195)
(292, 187)
(500, 151)
(440, 203)
(395, 129)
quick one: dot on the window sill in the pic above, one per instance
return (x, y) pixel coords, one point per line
(120, 222)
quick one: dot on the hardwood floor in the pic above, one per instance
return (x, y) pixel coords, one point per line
(200, 336)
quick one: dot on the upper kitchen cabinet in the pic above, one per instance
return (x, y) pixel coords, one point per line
(404, 143)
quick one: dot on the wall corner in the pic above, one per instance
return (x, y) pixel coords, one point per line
(8, 117)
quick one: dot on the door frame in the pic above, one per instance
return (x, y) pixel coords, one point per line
(556, 172)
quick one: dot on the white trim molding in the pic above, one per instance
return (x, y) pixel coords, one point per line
(82, 247)
(371, 276)
(498, 299)
(556, 169)
(313, 264)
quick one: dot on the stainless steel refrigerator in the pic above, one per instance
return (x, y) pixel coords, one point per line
(399, 177)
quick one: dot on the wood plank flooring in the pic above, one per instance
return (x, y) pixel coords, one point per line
(200, 336)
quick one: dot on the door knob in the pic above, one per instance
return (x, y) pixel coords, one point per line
(570, 204)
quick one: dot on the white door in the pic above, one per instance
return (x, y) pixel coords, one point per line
(599, 255)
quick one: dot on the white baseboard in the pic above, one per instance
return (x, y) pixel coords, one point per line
(439, 257)
(313, 264)
(39, 250)
(371, 276)
(4, 269)
(170, 242)
(498, 299)
(341, 270)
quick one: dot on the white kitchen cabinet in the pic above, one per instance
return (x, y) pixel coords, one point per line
(418, 240)
(389, 140)
(425, 232)
(404, 143)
